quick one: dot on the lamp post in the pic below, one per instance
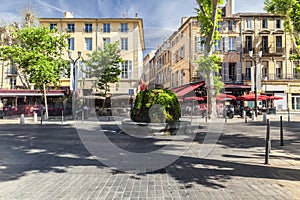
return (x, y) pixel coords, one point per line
(73, 81)
(254, 58)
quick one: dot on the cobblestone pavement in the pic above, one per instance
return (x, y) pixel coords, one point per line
(49, 162)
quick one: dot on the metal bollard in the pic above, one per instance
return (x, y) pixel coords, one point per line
(264, 119)
(253, 116)
(22, 119)
(244, 114)
(246, 119)
(62, 116)
(268, 143)
(281, 132)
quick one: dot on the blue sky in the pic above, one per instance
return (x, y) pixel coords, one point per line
(160, 18)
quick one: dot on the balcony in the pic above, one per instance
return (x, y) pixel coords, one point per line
(246, 50)
(281, 76)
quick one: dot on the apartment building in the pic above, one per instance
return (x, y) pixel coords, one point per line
(241, 33)
(276, 74)
(90, 34)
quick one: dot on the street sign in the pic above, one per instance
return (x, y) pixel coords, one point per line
(131, 91)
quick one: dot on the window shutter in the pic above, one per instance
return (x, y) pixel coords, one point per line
(226, 71)
(238, 71)
(226, 43)
(238, 43)
(129, 69)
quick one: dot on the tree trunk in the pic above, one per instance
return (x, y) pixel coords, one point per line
(46, 103)
(210, 74)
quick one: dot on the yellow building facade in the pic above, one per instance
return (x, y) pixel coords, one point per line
(90, 34)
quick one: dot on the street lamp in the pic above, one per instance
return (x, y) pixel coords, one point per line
(73, 81)
(255, 77)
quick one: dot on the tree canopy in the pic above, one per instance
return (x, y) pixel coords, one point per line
(37, 54)
(104, 65)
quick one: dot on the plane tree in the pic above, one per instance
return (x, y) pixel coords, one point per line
(104, 67)
(209, 14)
(37, 54)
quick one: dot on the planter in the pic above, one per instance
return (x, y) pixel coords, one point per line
(140, 129)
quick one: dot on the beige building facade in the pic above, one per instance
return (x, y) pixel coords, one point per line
(276, 73)
(240, 34)
(90, 34)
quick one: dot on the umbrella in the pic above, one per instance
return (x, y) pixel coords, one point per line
(223, 97)
(193, 98)
(274, 98)
(251, 97)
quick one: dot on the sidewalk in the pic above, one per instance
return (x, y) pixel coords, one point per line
(50, 162)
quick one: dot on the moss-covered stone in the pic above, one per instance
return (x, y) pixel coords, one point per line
(156, 106)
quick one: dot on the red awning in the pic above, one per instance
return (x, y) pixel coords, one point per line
(189, 89)
(23, 92)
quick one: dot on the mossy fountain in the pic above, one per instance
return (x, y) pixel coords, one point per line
(155, 112)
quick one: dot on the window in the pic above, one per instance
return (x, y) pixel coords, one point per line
(264, 69)
(88, 28)
(126, 68)
(248, 44)
(88, 44)
(231, 25)
(278, 44)
(123, 27)
(295, 72)
(71, 45)
(223, 25)
(218, 45)
(105, 41)
(53, 26)
(231, 44)
(231, 71)
(199, 42)
(278, 24)
(106, 28)
(279, 69)
(248, 23)
(12, 69)
(264, 24)
(181, 53)
(264, 44)
(12, 83)
(71, 28)
(248, 70)
(124, 43)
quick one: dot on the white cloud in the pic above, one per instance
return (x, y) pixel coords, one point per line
(161, 18)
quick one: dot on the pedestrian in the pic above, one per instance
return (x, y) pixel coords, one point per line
(1, 109)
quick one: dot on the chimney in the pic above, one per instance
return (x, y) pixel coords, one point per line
(183, 19)
(229, 8)
(68, 14)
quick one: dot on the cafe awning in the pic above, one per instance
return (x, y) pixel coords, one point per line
(188, 89)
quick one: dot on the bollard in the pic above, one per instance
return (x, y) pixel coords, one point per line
(264, 117)
(82, 114)
(62, 116)
(268, 143)
(281, 132)
(244, 114)
(35, 119)
(41, 117)
(253, 116)
(22, 119)
(246, 120)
